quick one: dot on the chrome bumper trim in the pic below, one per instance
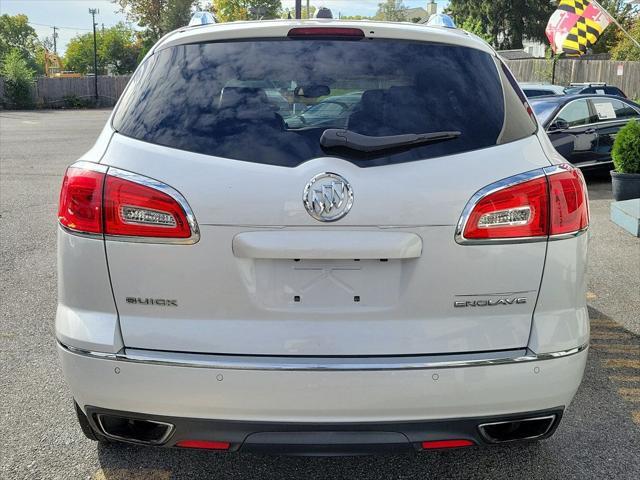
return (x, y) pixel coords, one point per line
(244, 362)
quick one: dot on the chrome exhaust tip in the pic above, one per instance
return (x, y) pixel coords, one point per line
(517, 429)
(134, 430)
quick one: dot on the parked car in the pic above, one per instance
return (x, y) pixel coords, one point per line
(583, 127)
(413, 282)
(541, 89)
(332, 111)
(593, 88)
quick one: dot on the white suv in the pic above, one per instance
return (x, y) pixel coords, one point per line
(411, 280)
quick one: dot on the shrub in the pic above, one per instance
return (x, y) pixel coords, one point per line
(626, 148)
(18, 78)
(74, 101)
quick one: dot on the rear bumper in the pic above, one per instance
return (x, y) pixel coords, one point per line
(405, 394)
(329, 438)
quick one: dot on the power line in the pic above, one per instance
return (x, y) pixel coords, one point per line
(51, 26)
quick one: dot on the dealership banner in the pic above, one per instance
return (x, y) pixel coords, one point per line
(575, 26)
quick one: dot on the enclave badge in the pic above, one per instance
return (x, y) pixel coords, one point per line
(328, 197)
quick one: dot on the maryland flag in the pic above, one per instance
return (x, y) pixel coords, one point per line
(575, 26)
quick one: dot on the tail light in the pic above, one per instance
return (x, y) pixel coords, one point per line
(124, 206)
(528, 207)
(204, 444)
(438, 444)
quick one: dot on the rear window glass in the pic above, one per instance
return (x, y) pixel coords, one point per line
(269, 101)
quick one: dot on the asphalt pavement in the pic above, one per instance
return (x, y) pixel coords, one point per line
(599, 437)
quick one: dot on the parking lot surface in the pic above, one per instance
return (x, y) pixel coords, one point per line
(599, 437)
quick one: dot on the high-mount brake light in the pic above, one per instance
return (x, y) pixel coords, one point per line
(325, 32)
(542, 204)
(121, 205)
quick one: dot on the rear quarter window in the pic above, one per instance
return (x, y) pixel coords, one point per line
(245, 100)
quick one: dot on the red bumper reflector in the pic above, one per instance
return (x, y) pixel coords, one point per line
(326, 32)
(434, 444)
(203, 444)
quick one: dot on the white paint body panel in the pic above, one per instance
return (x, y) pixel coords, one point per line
(236, 287)
(374, 396)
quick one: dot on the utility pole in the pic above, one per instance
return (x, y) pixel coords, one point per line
(55, 36)
(93, 12)
(298, 9)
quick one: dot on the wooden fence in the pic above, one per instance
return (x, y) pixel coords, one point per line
(52, 92)
(568, 71)
(56, 92)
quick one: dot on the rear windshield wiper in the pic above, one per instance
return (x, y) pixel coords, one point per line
(334, 137)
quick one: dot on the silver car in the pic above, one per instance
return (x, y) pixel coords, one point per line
(410, 279)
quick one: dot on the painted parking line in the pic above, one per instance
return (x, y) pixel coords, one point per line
(630, 394)
(604, 323)
(617, 348)
(625, 378)
(610, 336)
(622, 363)
(131, 474)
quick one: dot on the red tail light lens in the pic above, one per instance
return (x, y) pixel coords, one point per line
(437, 444)
(80, 207)
(517, 211)
(203, 444)
(140, 211)
(553, 202)
(123, 204)
(569, 202)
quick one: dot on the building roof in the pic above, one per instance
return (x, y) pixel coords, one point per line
(514, 54)
(411, 13)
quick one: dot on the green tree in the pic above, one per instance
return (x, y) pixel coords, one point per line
(625, 49)
(79, 54)
(232, 10)
(158, 17)
(118, 51)
(292, 11)
(474, 25)
(18, 78)
(506, 22)
(17, 34)
(391, 11)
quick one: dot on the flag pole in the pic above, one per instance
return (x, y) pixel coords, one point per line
(617, 23)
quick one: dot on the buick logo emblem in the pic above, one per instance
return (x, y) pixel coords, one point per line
(328, 197)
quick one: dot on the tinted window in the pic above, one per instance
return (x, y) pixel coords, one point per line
(607, 110)
(537, 93)
(226, 99)
(576, 113)
(543, 110)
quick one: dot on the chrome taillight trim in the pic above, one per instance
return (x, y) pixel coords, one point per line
(488, 190)
(290, 363)
(147, 182)
(166, 189)
(506, 183)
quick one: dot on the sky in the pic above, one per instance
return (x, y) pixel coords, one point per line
(72, 16)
